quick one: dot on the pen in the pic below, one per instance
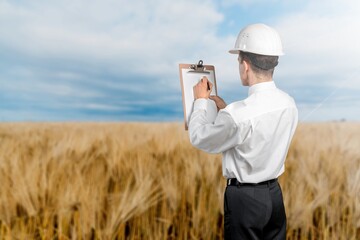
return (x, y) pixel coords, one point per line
(208, 85)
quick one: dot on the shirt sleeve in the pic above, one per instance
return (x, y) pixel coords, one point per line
(210, 137)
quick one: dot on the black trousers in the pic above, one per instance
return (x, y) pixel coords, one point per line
(254, 212)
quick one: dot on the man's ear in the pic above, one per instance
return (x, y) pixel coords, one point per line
(246, 66)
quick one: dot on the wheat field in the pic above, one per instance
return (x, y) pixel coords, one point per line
(145, 181)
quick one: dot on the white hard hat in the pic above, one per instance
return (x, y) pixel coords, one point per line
(260, 39)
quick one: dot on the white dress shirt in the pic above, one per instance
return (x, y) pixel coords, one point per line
(253, 135)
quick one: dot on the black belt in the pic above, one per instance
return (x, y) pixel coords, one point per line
(235, 182)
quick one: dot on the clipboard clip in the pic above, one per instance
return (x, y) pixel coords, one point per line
(198, 68)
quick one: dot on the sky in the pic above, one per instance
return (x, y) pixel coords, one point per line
(117, 60)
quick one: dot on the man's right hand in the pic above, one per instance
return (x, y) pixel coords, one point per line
(203, 88)
(220, 103)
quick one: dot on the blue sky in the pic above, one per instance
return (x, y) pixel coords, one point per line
(114, 60)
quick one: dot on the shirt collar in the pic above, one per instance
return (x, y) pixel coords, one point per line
(261, 86)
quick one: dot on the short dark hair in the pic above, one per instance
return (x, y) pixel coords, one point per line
(261, 64)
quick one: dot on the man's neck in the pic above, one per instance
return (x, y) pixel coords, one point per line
(259, 80)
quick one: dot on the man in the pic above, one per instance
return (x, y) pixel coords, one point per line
(253, 136)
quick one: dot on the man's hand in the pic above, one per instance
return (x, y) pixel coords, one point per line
(203, 88)
(220, 103)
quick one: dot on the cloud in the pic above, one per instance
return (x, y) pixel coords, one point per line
(141, 36)
(322, 38)
(322, 57)
(92, 49)
(115, 57)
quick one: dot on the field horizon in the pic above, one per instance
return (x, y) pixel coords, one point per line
(136, 180)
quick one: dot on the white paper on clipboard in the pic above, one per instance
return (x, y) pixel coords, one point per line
(190, 75)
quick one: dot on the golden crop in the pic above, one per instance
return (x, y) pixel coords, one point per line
(145, 181)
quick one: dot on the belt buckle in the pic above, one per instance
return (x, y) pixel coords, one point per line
(229, 181)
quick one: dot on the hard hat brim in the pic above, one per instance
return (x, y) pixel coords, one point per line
(237, 51)
(234, 51)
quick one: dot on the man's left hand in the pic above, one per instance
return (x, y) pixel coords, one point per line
(220, 103)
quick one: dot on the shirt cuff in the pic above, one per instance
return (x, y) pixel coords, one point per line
(200, 104)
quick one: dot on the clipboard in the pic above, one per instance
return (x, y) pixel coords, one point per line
(190, 75)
